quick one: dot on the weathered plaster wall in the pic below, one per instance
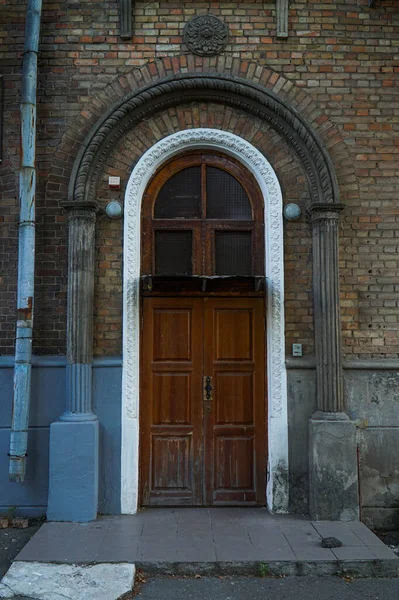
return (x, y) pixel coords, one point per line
(107, 391)
(301, 406)
(372, 402)
(48, 402)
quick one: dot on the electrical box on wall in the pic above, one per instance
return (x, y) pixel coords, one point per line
(114, 183)
(296, 349)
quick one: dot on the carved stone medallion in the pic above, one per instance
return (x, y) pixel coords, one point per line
(206, 35)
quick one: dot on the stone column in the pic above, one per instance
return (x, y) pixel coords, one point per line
(81, 223)
(333, 458)
(74, 440)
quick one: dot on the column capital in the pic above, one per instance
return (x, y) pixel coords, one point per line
(83, 207)
(321, 211)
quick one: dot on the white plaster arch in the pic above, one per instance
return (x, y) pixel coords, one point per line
(256, 163)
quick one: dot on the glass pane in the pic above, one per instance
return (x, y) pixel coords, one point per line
(226, 198)
(173, 252)
(233, 253)
(180, 196)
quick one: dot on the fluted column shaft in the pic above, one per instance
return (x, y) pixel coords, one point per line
(81, 221)
(327, 322)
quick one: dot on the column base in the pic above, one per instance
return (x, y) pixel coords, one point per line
(73, 476)
(333, 470)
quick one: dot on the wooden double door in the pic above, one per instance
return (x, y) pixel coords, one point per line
(202, 415)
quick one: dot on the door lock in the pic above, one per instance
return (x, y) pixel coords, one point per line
(208, 393)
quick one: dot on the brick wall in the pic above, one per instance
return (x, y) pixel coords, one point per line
(337, 68)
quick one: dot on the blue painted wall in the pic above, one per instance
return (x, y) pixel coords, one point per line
(47, 403)
(107, 392)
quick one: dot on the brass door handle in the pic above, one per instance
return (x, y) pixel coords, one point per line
(208, 393)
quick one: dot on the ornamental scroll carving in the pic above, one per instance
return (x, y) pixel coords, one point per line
(206, 35)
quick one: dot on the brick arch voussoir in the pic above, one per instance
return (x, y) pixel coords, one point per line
(164, 82)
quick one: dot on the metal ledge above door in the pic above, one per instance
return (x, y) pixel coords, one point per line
(229, 285)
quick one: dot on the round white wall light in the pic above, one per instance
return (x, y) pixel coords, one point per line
(292, 212)
(114, 209)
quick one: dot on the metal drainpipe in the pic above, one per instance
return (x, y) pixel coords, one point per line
(26, 254)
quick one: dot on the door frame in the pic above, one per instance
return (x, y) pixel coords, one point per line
(264, 174)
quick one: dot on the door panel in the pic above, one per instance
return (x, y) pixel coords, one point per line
(231, 343)
(203, 446)
(171, 408)
(232, 391)
(235, 426)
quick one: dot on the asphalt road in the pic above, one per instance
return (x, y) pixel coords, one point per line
(289, 588)
(11, 543)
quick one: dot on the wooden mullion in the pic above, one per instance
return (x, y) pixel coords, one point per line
(205, 257)
(203, 191)
(175, 224)
(231, 225)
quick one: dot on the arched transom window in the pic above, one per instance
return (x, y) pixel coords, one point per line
(202, 215)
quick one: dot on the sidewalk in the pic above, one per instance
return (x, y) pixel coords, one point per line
(216, 541)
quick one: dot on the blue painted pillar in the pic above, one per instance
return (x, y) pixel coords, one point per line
(74, 439)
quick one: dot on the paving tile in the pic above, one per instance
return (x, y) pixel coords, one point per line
(382, 552)
(200, 551)
(275, 554)
(118, 542)
(158, 515)
(301, 528)
(154, 537)
(126, 527)
(313, 553)
(353, 553)
(100, 523)
(51, 542)
(365, 534)
(306, 541)
(272, 538)
(114, 552)
(295, 538)
(193, 515)
(156, 552)
(73, 543)
(332, 528)
(67, 551)
(290, 520)
(348, 538)
(197, 527)
(233, 552)
(50, 531)
(235, 535)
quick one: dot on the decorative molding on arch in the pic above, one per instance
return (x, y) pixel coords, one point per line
(255, 162)
(213, 87)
